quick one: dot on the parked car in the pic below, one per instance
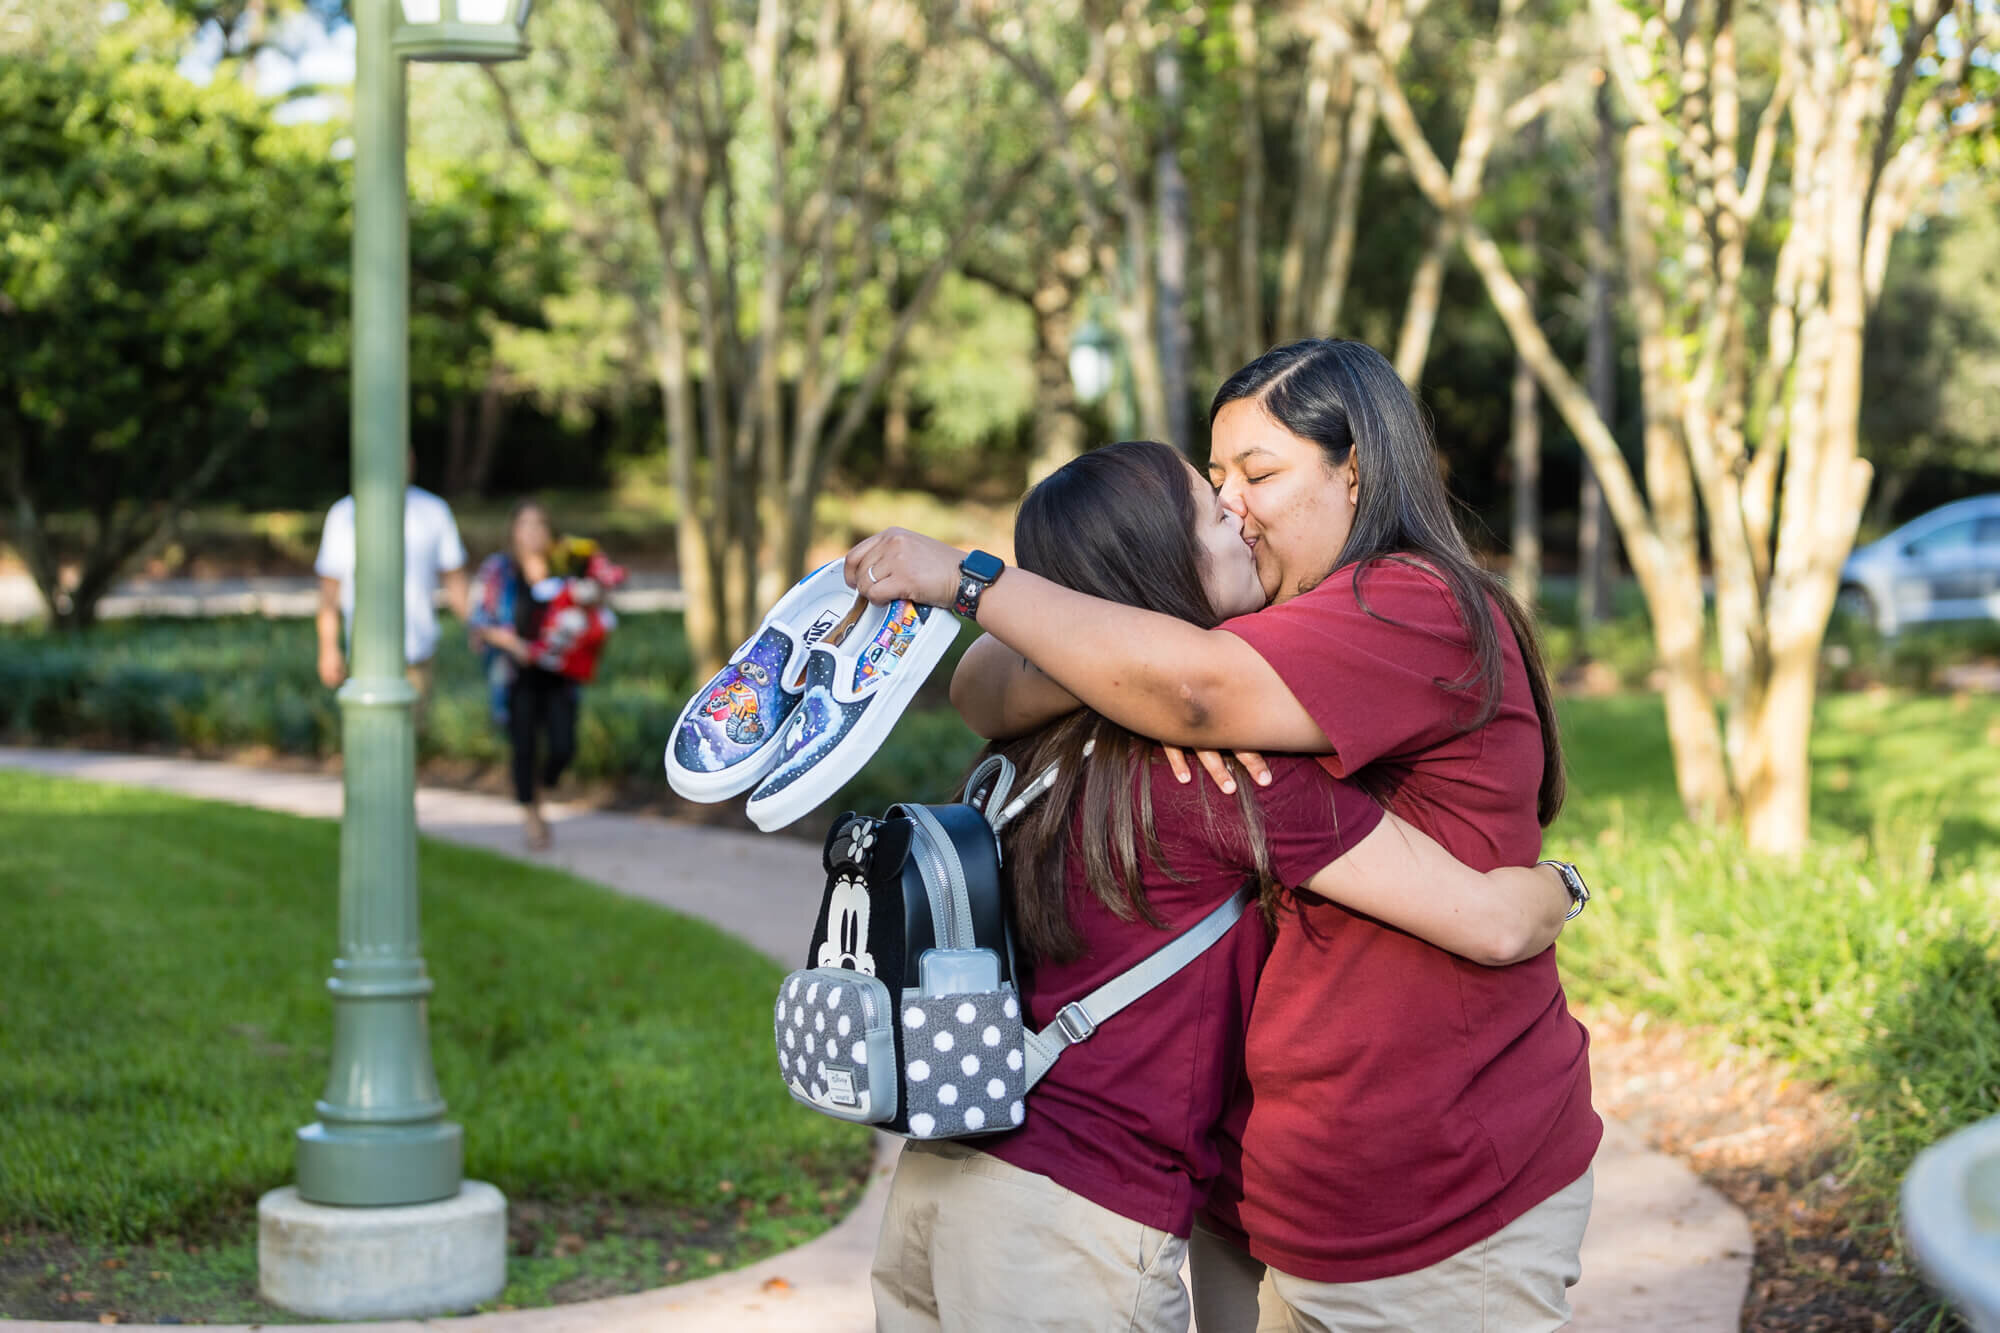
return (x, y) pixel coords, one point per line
(1942, 566)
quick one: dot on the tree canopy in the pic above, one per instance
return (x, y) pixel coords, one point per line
(173, 301)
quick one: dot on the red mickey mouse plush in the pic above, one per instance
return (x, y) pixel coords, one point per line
(578, 622)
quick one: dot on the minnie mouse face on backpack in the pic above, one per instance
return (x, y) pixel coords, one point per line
(846, 941)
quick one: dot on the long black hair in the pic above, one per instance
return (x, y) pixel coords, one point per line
(1341, 394)
(1117, 523)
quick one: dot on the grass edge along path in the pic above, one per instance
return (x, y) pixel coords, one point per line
(165, 1030)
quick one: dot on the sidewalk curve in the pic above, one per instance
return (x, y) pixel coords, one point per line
(1664, 1254)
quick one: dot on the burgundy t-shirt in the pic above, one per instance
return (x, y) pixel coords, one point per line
(1400, 1103)
(1128, 1118)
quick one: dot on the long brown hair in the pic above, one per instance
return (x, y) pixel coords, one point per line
(1338, 394)
(1117, 523)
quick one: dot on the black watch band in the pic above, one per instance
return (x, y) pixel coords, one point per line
(976, 574)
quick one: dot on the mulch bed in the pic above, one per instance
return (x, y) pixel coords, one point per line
(1772, 1143)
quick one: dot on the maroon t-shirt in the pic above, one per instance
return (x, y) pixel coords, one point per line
(1128, 1118)
(1400, 1103)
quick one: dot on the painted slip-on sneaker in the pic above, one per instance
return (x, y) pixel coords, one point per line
(854, 692)
(727, 737)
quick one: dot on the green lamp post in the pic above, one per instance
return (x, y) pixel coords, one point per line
(381, 1138)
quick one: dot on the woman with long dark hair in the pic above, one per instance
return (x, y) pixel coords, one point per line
(1079, 1219)
(1411, 1146)
(538, 707)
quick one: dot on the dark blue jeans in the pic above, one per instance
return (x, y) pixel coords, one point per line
(541, 716)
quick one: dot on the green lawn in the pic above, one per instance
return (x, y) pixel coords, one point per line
(164, 1029)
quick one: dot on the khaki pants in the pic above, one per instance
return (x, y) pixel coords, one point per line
(971, 1244)
(1515, 1281)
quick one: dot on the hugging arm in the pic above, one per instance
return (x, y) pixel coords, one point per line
(1403, 878)
(458, 593)
(1002, 696)
(1149, 673)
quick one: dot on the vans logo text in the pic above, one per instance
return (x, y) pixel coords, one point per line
(827, 620)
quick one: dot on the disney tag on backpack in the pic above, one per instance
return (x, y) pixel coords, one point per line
(837, 1043)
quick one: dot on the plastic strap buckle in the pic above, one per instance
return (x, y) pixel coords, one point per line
(1075, 1022)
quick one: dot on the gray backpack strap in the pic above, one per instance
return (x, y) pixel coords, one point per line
(1038, 784)
(1079, 1019)
(944, 877)
(998, 769)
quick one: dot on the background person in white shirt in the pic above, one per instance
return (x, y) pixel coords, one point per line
(433, 555)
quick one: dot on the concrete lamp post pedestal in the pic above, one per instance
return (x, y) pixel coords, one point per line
(382, 1263)
(1951, 1214)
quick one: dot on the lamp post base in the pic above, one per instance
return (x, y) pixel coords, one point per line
(369, 1167)
(382, 1263)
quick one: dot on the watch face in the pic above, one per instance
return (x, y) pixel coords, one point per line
(982, 566)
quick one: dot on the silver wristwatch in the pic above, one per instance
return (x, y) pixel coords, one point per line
(1579, 892)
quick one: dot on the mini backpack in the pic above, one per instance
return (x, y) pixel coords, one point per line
(907, 1015)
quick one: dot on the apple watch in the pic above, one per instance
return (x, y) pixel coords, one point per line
(1579, 892)
(976, 574)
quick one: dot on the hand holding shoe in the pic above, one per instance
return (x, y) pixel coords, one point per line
(897, 563)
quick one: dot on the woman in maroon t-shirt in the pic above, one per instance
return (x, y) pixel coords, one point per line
(1080, 1218)
(1412, 1144)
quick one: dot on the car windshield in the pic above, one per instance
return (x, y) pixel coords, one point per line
(1952, 537)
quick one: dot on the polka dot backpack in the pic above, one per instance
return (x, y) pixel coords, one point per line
(907, 1015)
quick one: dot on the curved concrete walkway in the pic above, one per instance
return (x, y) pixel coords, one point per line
(1665, 1253)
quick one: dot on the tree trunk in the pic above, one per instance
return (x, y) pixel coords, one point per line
(896, 430)
(1413, 345)
(1172, 209)
(1594, 534)
(1525, 445)
(79, 603)
(1137, 329)
(1357, 134)
(1890, 488)
(1674, 590)
(31, 538)
(1525, 449)
(1466, 184)
(1776, 778)
(705, 616)
(1825, 481)
(1222, 329)
(457, 428)
(119, 534)
(486, 435)
(1246, 318)
(1060, 434)
(1323, 110)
